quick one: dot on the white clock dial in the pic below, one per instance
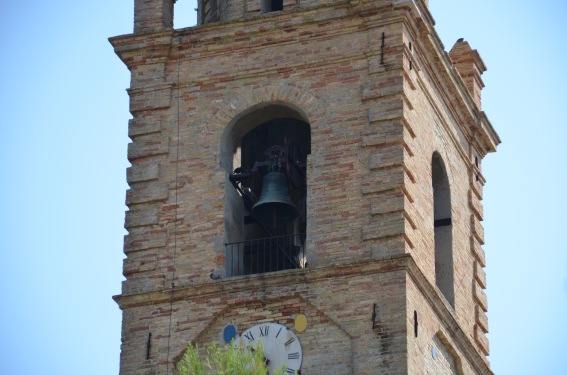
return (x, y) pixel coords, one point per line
(281, 346)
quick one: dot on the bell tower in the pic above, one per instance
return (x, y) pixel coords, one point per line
(307, 174)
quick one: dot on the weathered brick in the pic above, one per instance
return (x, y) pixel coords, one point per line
(374, 124)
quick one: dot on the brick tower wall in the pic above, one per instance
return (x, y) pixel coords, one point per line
(380, 99)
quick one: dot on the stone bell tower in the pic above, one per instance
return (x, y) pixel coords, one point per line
(305, 173)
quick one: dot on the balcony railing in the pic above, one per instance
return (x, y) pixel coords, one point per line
(265, 255)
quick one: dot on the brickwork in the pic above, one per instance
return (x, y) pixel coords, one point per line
(438, 360)
(340, 337)
(380, 97)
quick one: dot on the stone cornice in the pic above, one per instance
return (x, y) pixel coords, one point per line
(449, 83)
(136, 49)
(273, 279)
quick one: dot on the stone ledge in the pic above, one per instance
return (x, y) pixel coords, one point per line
(272, 279)
(283, 279)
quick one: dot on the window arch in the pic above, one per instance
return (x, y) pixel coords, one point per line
(443, 229)
(264, 153)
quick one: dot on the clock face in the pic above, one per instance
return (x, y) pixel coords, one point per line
(281, 346)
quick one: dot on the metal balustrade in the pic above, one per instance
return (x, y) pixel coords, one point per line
(263, 255)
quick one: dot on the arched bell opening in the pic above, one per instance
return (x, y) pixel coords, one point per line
(265, 156)
(443, 227)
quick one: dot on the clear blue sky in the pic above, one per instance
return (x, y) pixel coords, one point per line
(63, 139)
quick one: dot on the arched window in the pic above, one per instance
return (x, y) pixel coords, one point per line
(265, 155)
(443, 227)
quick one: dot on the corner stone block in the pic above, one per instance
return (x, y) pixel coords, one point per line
(477, 229)
(144, 240)
(478, 251)
(148, 146)
(157, 97)
(388, 108)
(386, 225)
(386, 157)
(479, 274)
(384, 132)
(481, 319)
(383, 179)
(142, 172)
(147, 192)
(481, 340)
(385, 86)
(480, 296)
(142, 216)
(476, 205)
(390, 201)
(144, 125)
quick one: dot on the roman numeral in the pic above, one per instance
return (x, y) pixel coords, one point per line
(249, 336)
(278, 333)
(293, 355)
(288, 342)
(264, 330)
(290, 371)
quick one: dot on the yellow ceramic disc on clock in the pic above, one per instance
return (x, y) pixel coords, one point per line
(300, 323)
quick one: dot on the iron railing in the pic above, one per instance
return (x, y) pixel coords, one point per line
(265, 255)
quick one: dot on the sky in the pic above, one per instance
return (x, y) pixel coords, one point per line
(63, 139)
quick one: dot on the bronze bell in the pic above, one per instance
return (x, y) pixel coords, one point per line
(275, 203)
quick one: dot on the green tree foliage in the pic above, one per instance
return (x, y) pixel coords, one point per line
(228, 360)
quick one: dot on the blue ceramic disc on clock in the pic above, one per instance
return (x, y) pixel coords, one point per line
(229, 333)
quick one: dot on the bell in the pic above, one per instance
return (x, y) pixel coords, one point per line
(275, 203)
